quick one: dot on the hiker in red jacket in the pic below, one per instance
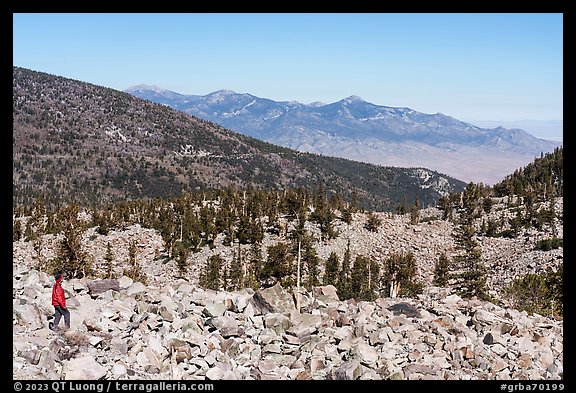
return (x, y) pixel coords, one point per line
(59, 303)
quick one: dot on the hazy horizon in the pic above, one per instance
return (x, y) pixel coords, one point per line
(549, 129)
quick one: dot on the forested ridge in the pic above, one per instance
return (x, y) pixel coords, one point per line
(77, 142)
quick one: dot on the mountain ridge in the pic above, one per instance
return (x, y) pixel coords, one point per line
(355, 129)
(77, 140)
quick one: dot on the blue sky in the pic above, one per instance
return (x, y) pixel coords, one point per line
(468, 66)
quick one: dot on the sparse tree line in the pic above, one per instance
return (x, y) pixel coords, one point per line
(361, 278)
(196, 219)
(192, 221)
(242, 217)
(540, 180)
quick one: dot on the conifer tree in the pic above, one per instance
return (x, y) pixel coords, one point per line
(399, 275)
(487, 204)
(29, 231)
(468, 270)
(211, 276)
(108, 258)
(347, 215)
(374, 279)
(471, 197)
(415, 212)
(538, 293)
(441, 271)
(358, 277)
(37, 244)
(344, 285)
(236, 274)
(323, 214)
(255, 264)
(445, 204)
(207, 224)
(134, 270)
(71, 259)
(373, 222)
(555, 295)
(16, 230)
(312, 261)
(167, 228)
(364, 278)
(278, 266)
(101, 220)
(51, 227)
(528, 293)
(249, 230)
(331, 269)
(181, 253)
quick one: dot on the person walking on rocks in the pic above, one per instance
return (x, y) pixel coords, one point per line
(59, 303)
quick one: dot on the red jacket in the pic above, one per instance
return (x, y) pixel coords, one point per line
(58, 297)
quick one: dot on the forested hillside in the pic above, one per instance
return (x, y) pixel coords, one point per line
(77, 142)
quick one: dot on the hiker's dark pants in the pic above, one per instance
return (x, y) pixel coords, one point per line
(59, 311)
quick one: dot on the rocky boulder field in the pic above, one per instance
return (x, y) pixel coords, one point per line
(171, 328)
(126, 330)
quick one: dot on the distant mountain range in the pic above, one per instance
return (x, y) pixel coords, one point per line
(355, 129)
(74, 141)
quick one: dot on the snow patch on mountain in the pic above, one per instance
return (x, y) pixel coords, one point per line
(143, 88)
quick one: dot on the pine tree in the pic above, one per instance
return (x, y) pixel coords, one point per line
(255, 265)
(278, 266)
(344, 284)
(211, 276)
(487, 204)
(528, 293)
(51, 227)
(468, 270)
(441, 271)
(471, 197)
(181, 253)
(37, 244)
(555, 293)
(16, 230)
(134, 270)
(29, 232)
(363, 279)
(373, 222)
(101, 220)
(108, 258)
(323, 214)
(399, 273)
(347, 215)
(207, 225)
(336, 202)
(491, 228)
(312, 261)
(167, 228)
(373, 279)
(445, 205)
(236, 274)
(331, 269)
(415, 212)
(358, 276)
(249, 230)
(71, 259)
